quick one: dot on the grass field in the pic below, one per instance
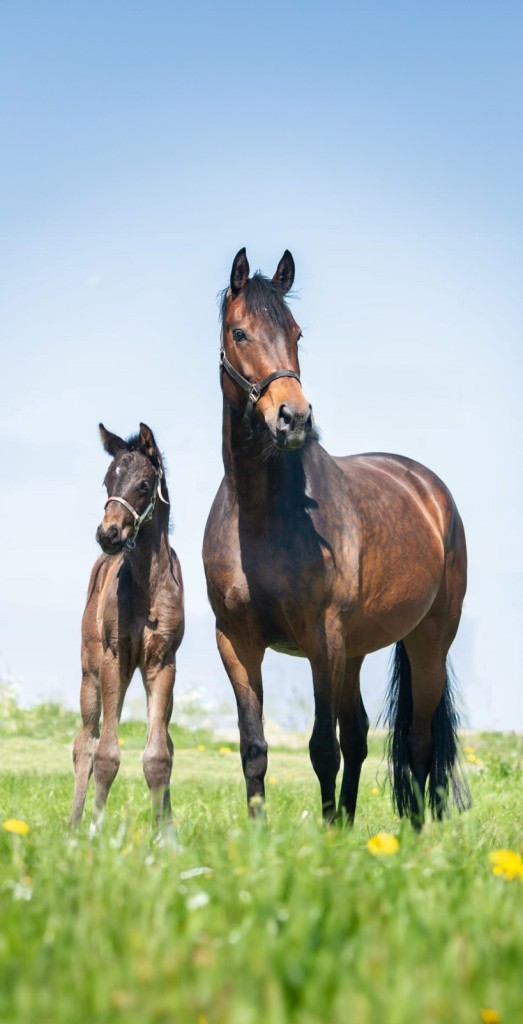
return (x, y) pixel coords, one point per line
(243, 923)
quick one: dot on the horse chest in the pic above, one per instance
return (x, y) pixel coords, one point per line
(275, 565)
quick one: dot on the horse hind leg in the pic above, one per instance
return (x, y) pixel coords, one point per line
(354, 726)
(424, 744)
(85, 742)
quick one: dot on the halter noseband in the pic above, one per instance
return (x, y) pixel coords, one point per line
(147, 514)
(254, 390)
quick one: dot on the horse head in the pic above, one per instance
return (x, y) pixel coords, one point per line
(133, 482)
(259, 356)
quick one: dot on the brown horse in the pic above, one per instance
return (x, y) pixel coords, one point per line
(133, 619)
(329, 559)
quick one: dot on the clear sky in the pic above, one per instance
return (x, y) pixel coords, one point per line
(143, 143)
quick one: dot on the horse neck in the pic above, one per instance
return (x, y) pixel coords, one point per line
(258, 481)
(152, 553)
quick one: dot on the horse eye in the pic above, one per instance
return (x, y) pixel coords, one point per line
(144, 486)
(300, 336)
(238, 334)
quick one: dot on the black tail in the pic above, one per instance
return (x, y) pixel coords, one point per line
(445, 769)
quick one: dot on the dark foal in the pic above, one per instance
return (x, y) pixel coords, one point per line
(133, 619)
(330, 559)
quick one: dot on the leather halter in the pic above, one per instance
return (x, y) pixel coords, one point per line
(254, 389)
(147, 514)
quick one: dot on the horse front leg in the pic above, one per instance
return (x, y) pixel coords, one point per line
(242, 662)
(354, 726)
(157, 757)
(84, 746)
(113, 686)
(327, 674)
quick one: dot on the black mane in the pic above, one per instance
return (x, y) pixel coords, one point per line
(263, 298)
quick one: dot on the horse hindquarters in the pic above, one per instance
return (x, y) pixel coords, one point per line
(423, 744)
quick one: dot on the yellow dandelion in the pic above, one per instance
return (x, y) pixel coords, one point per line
(272, 781)
(489, 1016)
(468, 748)
(20, 828)
(120, 742)
(383, 845)
(507, 864)
(375, 791)
(201, 747)
(225, 750)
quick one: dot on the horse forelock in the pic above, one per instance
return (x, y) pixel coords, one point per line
(264, 299)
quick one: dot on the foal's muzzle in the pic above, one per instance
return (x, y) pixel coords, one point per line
(110, 539)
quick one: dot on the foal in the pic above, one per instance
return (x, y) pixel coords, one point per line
(133, 619)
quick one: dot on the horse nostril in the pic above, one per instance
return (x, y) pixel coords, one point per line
(113, 534)
(285, 418)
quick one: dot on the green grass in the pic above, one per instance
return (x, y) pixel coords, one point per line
(243, 923)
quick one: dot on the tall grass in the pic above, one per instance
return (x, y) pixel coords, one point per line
(240, 923)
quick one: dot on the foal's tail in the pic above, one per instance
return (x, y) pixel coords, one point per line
(445, 769)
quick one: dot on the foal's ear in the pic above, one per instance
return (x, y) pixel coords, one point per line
(239, 272)
(111, 442)
(284, 276)
(147, 443)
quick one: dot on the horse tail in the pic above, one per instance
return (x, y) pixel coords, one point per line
(398, 717)
(445, 769)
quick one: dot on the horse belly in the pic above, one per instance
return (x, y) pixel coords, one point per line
(399, 584)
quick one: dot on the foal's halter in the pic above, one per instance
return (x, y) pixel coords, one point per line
(147, 514)
(254, 389)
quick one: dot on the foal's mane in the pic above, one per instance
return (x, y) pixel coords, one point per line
(262, 298)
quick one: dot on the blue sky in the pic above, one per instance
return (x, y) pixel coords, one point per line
(143, 145)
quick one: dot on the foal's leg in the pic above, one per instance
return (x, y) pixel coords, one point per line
(113, 685)
(157, 757)
(328, 670)
(242, 662)
(354, 726)
(85, 742)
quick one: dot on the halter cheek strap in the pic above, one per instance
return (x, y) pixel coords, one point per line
(254, 389)
(147, 514)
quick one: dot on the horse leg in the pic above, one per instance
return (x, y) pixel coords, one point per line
(427, 658)
(157, 757)
(354, 726)
(242, 662)
(328, 670)
(85, 742)
(113, 685)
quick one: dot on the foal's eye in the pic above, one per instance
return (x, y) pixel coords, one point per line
(238, 334)
(300, 336)
(144, 487)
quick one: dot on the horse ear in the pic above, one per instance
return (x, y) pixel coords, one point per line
(284, 276)
(147, 443)
(111, 442)
(239, 272)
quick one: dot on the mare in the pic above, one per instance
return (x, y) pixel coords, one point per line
(328, 558)
(133, 618)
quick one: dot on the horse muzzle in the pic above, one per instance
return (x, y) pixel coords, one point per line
(292, 428)
(111, 538)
